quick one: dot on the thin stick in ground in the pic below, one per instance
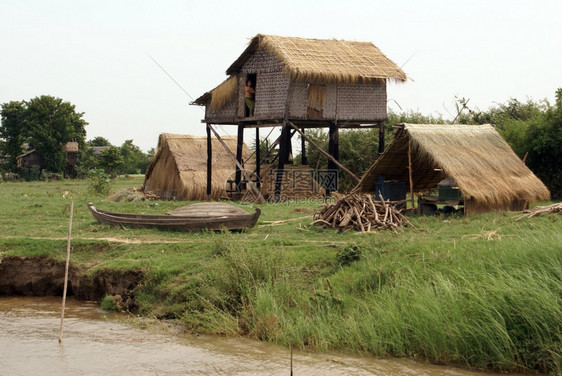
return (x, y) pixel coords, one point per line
(66, 270)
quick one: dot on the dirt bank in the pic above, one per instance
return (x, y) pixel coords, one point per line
(43, 276)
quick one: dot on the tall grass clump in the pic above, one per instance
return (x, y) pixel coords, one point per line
(237, 289)
(484, 304)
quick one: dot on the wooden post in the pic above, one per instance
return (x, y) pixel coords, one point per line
(381, 137)
(252, 186)
(304, 159)
(283, 156)
(258, 156)
(66, 270)
(342, 167)
(209, 163)
(333, 150)
(410, 173)
(239, 145)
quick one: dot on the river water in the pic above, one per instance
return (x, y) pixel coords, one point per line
(99, 343)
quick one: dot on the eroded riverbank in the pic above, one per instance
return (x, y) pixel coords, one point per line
(44, 276)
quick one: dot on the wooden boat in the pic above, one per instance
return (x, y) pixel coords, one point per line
(202, 216)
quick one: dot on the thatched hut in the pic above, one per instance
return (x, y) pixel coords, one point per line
(301, 79)
(178, 169)
(487, 172)
(304, 83)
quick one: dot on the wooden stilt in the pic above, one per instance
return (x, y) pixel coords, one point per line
(66, 270)
(304, 159)
(209, 163)
(239, 144)
(333, 150)
(410, 174)
(381, 137)
(258, 156)
(283, 156)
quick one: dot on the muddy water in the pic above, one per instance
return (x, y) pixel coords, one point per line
(96, 343)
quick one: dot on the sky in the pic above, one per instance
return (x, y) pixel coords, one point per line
(98, 55)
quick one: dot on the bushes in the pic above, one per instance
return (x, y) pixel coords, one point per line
(532, 129)
(100, 182)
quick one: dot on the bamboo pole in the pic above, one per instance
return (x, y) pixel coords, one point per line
(66, 270)
(410, 174)
(291, 348)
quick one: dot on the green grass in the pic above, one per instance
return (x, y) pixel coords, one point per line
(483, 291)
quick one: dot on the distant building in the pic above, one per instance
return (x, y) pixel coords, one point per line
(34, 158)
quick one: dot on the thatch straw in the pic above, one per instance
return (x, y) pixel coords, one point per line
(316, 96)
(129, 195)
(483, 165)
(324, 60)
(223, 93)
(71, 147)
(179, 167)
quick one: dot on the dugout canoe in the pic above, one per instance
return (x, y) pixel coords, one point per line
(201, 216)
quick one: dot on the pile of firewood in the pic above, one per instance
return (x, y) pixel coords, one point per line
(361, 212)
(534, 212)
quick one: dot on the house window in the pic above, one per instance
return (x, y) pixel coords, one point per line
(250, 95)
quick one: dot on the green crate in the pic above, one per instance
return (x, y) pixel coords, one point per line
(449, 193)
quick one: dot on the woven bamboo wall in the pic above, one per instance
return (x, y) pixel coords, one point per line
(361, 101)
(271, 94)
(342, 102)
(227, 112)
(298, 100)
(271, 87)
(331, 102)
(262, 62)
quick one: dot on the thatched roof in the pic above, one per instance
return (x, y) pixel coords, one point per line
(71, 147)
(220, 95)
(483, 165)
(324, 60)
(179, 167)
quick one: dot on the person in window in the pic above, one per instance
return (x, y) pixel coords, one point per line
(249, 97)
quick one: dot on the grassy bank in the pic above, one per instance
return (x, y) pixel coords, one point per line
(483, 291)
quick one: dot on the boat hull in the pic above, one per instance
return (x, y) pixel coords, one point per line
(177, 222)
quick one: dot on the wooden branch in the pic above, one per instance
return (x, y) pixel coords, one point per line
(362, 213)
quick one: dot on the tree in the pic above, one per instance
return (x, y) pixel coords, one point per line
(13, 131)
(111, 160)
(51, 123)
(532, 128)
(99, 141)
(544, 143)
(46, 123)
(134, 160)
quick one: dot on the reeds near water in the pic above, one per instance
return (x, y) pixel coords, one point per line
(489, 304)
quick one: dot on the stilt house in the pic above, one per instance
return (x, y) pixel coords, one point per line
(302, 83)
